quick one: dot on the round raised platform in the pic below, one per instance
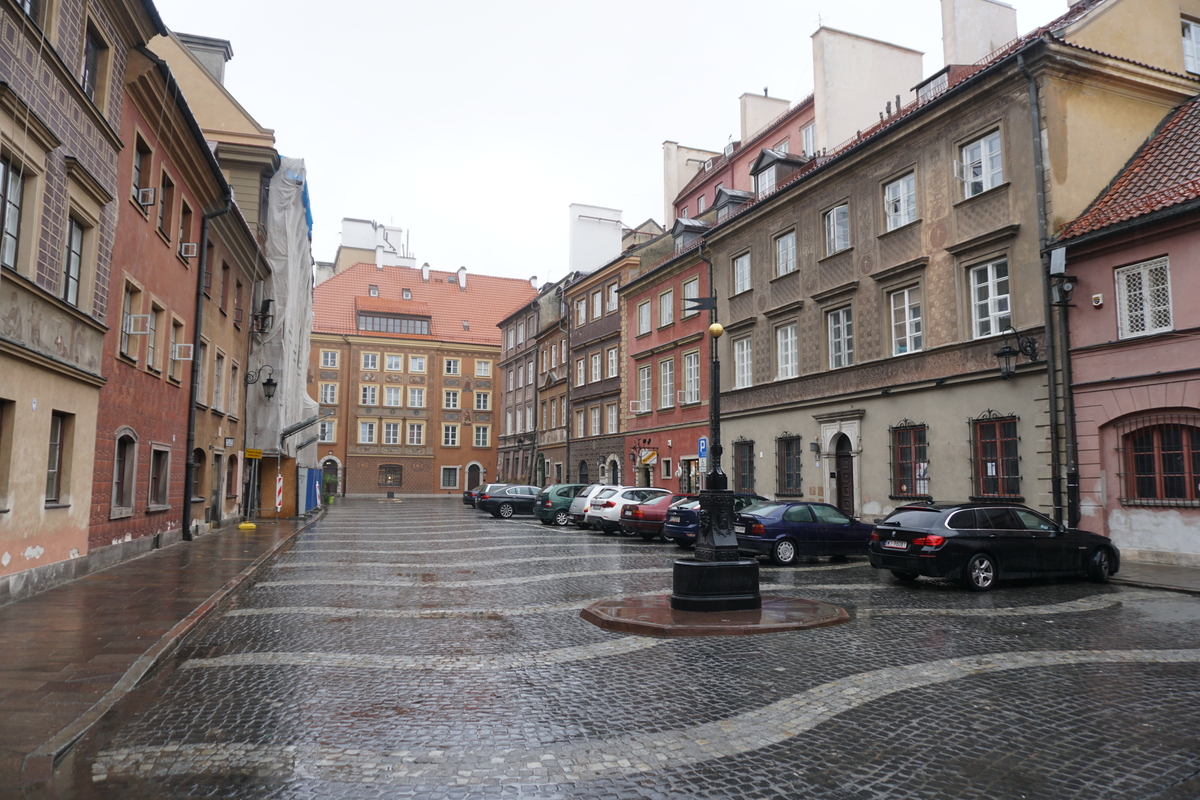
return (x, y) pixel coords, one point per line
(715, 586)
(652, 615)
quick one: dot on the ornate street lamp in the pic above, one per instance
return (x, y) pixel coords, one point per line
(1026, 345)
(269, 385)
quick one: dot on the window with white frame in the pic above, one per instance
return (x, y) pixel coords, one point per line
(416, 433)
(511, 381)
(579, 430)
(218, 394)
(329, 359)
(837, 229)
(483, 401)
(553, 356)
(597, 304)
(520, 332)
(611, 304)
(483, 369)
(450, 400)
(391, 395)
(643, 318)
(1191, 45)
(666, 308)
(612, 362)
(520, 376)
(450, 436)
(580, 311)
(900, 202)
(529, 418)
(580, 373)
(416, 397)
(666, 383)
(370, 361)
(645, 381)
(553, 414)
(329, 394)
(595, 367)
(787, 358)
(326, 431)
(841, 338)
(1144, 298)
(691, 290)
(691, 377)
(809, 135)
(453, 366)
(741, 273)
(785, 253)
(508, 423)
(906, 320)
(482, 435)
(366, 433)
(393, 362)
(391, 433)
(611, 410)
(368, 395)
(416, 363)
(594, 413)
(700, 205)
(989, 298)
(529, 373)
(449, 477)
(765, 181)
(982, 165)
(743, 363)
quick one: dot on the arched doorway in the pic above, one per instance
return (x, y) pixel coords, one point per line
(539, 471)
(614, 471)
(843, 474)
(583, 472)
(330, 483)
(473, 476)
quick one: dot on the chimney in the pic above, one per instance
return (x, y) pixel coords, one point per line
(533, 282)
(425, 272)
(212, 53)
(974, 29)
(758, 111)
(462, 279)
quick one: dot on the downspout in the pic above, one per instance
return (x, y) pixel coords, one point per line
(189, 464)
(1035, 119)
(564, 315)
(1072, 443)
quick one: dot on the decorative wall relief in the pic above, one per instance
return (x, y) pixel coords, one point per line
(32, 322)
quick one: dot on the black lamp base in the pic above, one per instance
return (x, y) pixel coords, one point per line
(715, 585)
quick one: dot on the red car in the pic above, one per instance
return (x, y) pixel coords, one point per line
(646, 519)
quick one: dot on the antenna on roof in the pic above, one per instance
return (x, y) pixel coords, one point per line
(765, 92)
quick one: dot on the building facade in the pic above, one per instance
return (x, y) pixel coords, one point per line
(518, 395)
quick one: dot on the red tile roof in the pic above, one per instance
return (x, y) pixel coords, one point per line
(1163, 173)
(485, 302)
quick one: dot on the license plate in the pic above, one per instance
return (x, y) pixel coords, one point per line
(674, 518)
(739, 528)
(895, 544)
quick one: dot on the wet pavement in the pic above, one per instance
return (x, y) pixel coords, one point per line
(420, 649)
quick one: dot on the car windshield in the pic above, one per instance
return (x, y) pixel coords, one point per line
(763, 508)
(689, 504)
(913, 518)
(657, 501)
(603, 493)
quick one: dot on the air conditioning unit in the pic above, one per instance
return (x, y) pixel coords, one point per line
(181, 352)
(188, 249)
(147, 196)
(635, 407)
(680, 396)
(136, 325)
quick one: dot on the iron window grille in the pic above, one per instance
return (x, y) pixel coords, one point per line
(1160, 460)
(743, 464)
(910, 461)
(789, 453)
(995, 461)
(390, 475)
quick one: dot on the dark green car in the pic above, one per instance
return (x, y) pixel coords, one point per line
(553, 503)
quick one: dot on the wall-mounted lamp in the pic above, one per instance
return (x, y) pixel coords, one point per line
(269, 385)
(1025, 345)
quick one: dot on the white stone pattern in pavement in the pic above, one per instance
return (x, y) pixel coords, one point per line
(553, 576)
(590, 760)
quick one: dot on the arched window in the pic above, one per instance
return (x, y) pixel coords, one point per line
(231, 487)
(198, 460)
(1161, 460)
(583, 472)
(390, 475)
(124, 471)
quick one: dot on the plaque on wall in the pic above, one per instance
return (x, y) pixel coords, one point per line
(328, 376)
(452, 382)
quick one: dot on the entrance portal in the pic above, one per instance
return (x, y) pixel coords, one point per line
(473, 478)
(844, 475)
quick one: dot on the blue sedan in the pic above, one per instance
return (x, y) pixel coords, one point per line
(787, 531)
(683, 521)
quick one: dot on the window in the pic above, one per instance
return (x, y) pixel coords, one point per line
(201, 365)
(597, 305)
(481, 435)
(73, 266)
(391, 475)
(700, 205)
(906, 321)
(391, 433)
(781, 147)
(785, 253)
(160, 477)
(666, 383)
(370, 361)
(366, 433)
(691, 378)
(451, 399)
(841, 338)
(809, 135)
(612, 362)
(1161, 461)
(553, 414)
(416, 363)
(765, 181)
(989, 298)
(152, 337)
(233, 390)
(483, 369)
(393, 362)
(449, 477)
(124, 473)
(329, 394)
(93, 54)
(391, 395)
(982, 166)
(611, 305)
(644, 384)
(453, 365)
(329, 359)
(383, 323)
(130, 305)
(595, 367)
(512, 381)
(218, 396)
(416, 397)
(166, 203)
(1144, 298)
(691, 291)
(59, 436)
(611, 412)
(369, 395)
(995, 466)
(185, 236)
(786, 352)
(510, 335)
(743, 465)
(416, 434)
(789, 451)
(483, 401)
(741, 273)
(643, 318)
(579, 429)
(529, 373)
(326, 431)
(667, 472)
(520, 332)
(1191, 46)
(225, 284)
(910, 461)
(450, 436)
(580, 311)
(373, 290)
(900, 202)
(176, 336)
(553, 356)
(837, 229)
(666, 308)
(141, 167)
(12, 189)
(743, 363)
(529, 418)
(580, 373)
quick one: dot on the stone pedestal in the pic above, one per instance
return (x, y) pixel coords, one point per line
(715, 585)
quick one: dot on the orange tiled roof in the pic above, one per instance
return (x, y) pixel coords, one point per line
(485, 302)
(1164, 172)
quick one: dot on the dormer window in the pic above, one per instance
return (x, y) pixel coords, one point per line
(393, 323)
(729, 148)
(765, 181)
(373, 290)
(935, 86)
(708, 165)
(683, 212)
(407, 294)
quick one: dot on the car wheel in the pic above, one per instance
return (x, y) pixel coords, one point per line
(1100, 567)
(561, 518)
(784, 553)
(901, 575)
(505, 510)
(980, 574)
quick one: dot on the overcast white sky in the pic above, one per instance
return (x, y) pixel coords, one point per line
(473, 125)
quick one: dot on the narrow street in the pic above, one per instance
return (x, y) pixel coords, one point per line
(421, 649)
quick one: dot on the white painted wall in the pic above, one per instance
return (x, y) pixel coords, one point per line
(973, 29)
(757, 111)
(387, 241)
(1160, 535)
(595, 236)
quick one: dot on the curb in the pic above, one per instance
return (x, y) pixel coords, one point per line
(1165, 587)
(37, 771)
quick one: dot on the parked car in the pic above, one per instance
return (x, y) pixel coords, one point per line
(646, 519)
(605, 511)
(470, 496)
(683, 522)
(788, 531)
(553, 504)
(582, 502)
(978, 544)
(508, 500)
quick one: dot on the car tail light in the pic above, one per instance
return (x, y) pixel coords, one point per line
(758, 529)
(932, 540)
(874, 536)
(484, 497)
(636, 512)
(608, 504)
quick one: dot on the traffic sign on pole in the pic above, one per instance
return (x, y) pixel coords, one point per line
(702, 447)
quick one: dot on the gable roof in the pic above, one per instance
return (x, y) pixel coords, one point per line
(1163, 173)
(486, 300)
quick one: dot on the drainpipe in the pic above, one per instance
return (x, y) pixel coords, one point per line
(189, 464)
(1035, 119)
(1072, 443)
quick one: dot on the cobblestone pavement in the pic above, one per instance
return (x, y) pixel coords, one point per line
(420, 649)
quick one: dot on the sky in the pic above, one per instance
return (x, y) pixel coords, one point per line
(474, 125)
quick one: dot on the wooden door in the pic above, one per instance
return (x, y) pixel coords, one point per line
(844, 476)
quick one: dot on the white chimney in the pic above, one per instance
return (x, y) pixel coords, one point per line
(533, 282)
(425, 272)
(462, 279)
(974, 29)
(758, 110)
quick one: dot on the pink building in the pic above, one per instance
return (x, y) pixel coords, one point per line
(1134, 258)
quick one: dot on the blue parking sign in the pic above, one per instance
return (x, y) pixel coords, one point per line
(702, 447)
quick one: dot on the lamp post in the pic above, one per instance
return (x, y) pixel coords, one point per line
(269, 385)
(1026, 345)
